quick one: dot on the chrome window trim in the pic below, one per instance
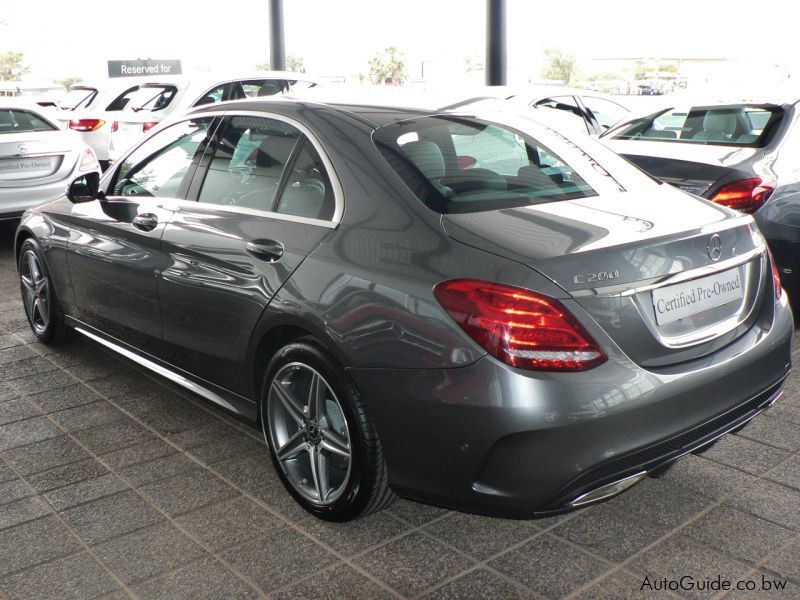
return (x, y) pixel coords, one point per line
(177, 204)
(338, 191)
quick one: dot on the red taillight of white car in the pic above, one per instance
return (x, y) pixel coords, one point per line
(86, 124)
(519, 327)
(148, 126)
(746, 195)
(114, 126)
(88, 161)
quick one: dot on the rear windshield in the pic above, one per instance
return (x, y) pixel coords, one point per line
(734, 125)
(150, 98)
(460, 164)
(23, 121)
(77, 97)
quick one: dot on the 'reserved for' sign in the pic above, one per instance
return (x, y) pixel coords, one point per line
(685, 299)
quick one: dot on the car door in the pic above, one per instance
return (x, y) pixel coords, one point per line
(264, 199)
(114, 245)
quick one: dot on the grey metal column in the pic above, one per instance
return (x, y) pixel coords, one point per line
(277, 46)
(495, 42)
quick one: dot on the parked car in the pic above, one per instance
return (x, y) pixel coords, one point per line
(38, 160)
(89, 109)
(743, 155)
(157, 101)
(515, 332)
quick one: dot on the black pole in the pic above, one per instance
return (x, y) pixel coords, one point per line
(277, 46)
(495, 42)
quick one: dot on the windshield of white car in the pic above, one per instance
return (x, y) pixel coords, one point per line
(23, 121)
(740, 125)
(77, 97)
(151, 98)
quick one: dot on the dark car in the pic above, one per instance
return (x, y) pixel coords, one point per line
(515, 332)
(745, 156)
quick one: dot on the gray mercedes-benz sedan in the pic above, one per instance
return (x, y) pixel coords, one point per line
(471, 310)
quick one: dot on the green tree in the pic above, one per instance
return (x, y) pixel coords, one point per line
(68, 82)
(12, 66)
(295, 63)
(264, 66)
(388, 66)
(559, 66)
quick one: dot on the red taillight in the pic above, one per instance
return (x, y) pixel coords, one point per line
(746, 195)
(86, 124)
(114, 126)
(776, 277)
(148, 126)
(519, 327)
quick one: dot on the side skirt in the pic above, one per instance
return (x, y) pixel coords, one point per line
(234, 403)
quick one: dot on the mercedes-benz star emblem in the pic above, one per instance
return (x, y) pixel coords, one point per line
(22, 149)
(714, 247)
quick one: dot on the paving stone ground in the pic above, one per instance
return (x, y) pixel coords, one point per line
(115, 484)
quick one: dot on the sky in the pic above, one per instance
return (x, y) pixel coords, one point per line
(338, 37)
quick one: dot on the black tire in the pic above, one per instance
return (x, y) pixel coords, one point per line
(365, 489)
(44, 312)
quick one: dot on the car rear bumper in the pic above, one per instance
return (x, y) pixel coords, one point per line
(491, 439)
(15, 201)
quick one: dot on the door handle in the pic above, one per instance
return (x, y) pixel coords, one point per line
(145, 221)
(269, 250)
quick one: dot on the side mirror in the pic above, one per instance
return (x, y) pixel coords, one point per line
(84, 189)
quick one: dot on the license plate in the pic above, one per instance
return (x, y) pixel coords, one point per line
(18, 168)
(686, 299)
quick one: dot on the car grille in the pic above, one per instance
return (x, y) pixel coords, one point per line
(659, 454)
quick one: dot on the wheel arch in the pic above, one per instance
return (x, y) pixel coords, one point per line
(272, 334)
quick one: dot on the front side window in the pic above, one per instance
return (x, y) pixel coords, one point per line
(158, 166)
(248, 163)
(460, 164)
(23, 121)
(730, 125)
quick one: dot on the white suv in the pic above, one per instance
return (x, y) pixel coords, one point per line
(159, 99)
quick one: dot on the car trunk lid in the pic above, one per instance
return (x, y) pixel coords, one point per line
(35, 158)
(693, 168)
(633, 263)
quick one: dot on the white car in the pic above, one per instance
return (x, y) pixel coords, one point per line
(88, 109)
(159, 99)
(38, 159)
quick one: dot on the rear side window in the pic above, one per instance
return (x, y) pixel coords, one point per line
(23, 121)
(266, 164)
(566, 105)
(458, 164)
(730, 125)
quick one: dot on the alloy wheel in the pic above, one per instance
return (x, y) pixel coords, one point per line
(35, 292)
(309, 434)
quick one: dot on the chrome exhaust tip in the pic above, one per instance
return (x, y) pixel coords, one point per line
(608, 490)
